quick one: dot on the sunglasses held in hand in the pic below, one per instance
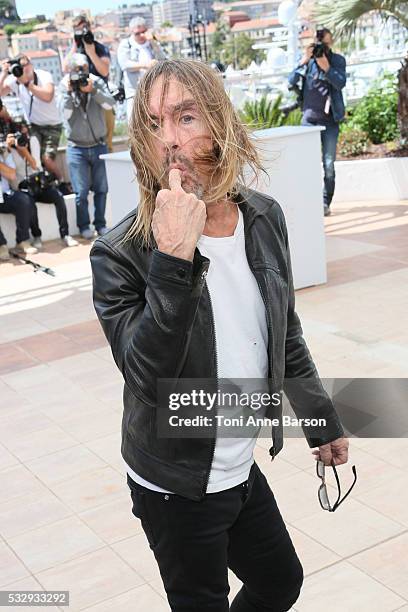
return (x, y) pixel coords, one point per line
(323, 494)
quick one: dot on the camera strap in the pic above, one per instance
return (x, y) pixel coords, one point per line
(87, 118)
(32, 95)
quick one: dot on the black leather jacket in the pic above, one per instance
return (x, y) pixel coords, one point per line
(156, 313)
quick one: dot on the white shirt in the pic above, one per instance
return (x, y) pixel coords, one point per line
(42, 113)
(242, 345)
(4, 184)
(130, 51)
(23, 168)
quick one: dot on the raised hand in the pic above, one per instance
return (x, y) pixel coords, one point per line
(178, 220)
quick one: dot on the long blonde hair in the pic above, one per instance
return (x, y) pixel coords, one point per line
(232, 147)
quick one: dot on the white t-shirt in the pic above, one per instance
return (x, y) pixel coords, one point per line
(42, 113)
(242, 346)
(131, 50)
(23, 168)
(4, 184)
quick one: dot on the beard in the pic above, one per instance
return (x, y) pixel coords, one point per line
(190, 179)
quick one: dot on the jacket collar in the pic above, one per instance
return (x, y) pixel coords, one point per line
(252, 203)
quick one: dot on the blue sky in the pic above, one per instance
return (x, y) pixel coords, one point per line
(48, 7)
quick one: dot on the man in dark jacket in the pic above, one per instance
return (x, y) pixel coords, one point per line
(319, 78)
(197, 284)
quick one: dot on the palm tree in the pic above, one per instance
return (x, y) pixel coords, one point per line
(342, 16)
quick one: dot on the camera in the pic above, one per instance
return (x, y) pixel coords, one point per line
(320, 48)
(84, 35)
(15, 68)
(119, 94)
(21, 139)
(15, 127)
(36, 182)
(78, 79)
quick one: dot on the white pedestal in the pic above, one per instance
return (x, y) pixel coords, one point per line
(123, 186)
(292, 158)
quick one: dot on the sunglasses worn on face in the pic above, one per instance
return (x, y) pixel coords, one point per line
(138, 33)
(323, 494)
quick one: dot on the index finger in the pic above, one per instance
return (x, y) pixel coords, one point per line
(175, 179)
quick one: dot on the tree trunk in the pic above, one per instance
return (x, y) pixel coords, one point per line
(403, 101)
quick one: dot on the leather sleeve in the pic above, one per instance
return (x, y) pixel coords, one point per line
(302, 384)
(144, 322)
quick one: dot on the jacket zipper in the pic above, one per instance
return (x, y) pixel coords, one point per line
(269, 325)
(272, 449)
(215, 355)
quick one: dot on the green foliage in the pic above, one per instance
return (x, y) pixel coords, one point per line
(263, 113)
(218, 40)
(294, 117)
(20, 28)
(239, 52)
(9, 29)
(26, 28)
(121, 128)
(167, 24)
(376, 113)
(353, 141)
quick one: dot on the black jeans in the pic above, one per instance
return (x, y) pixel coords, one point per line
(18, 204)
(51, 195)
(195, 542)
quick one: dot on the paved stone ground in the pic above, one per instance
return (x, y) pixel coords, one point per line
(65, 512)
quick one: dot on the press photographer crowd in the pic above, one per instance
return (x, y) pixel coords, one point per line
(83, 105)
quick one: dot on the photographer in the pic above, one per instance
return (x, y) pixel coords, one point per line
(38, 184)
(319, 79)
(98, 57)
(36, 92)
(135, 55)
(84, 97)
(15, 203)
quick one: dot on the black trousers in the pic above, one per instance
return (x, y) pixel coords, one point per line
(18, 204)
(195, 542)
(51, 195)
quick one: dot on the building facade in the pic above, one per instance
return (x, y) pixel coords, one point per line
(4, 51)
(255, 9)
(47, 60)
(257, 29)
(24, 43)
(122, 16)
(177, 12)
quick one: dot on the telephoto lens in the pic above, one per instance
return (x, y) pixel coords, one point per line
(78, 79)
(21, 139)
(16, 69)
(88, 36)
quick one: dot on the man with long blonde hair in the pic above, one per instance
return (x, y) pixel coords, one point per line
(197, 284)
